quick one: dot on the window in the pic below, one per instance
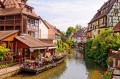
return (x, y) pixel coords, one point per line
(98, 31)
(29, 10)
(116, 12)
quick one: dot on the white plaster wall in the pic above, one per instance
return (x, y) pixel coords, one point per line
(43, 33)
(113, 19)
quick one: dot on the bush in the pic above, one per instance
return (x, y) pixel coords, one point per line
(98, 48)
(3, 51)
(107, 75)
(110, 61)
(62, 47)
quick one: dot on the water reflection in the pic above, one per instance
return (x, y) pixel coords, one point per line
(73, 68)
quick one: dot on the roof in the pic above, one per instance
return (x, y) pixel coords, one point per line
(10, 11)
(80, 33)
(52, 27)
(117, 27)
(31, 41)
(17, 10)
(44, 22)
(4, 34)
(104, 10)
(49, 26)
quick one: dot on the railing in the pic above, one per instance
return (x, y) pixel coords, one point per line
(49, 36)
(40, 64)
(10, 21)
(9, 63)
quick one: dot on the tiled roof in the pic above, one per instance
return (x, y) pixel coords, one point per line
(17, 10)
(80, 32)
(10, 11)
(117, 27)
(44, 22)
(31, 41)
(29, 13)
(52, 27)
(4, 34)
(104, 10)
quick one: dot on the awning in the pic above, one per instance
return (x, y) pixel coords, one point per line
(32, 49)
(52, 47)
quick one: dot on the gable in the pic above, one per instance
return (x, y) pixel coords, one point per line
(104, 10)
(117, 27)
(11, 3)
(43, 25)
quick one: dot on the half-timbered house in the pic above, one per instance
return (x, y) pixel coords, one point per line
(106, 17)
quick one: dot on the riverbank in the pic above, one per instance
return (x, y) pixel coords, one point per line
(10, 71)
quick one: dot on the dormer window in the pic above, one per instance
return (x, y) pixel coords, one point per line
(19, 1)
(29, 10)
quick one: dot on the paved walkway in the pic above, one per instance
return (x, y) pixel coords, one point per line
(9, 69)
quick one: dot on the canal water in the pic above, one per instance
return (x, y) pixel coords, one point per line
(74, 67)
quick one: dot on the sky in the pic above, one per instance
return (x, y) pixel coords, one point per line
(65, 13)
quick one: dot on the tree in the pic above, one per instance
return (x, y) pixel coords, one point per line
(70, 30)
(78, 27)
(62, 47)
(99, 48)
(70, 42)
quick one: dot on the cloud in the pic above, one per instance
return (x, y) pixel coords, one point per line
(65, 13)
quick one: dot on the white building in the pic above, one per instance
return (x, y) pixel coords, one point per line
(48, 32)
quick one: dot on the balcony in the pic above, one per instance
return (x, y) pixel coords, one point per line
(10, 22)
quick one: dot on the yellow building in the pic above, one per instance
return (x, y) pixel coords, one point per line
(106, 17)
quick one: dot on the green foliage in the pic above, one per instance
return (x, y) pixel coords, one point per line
(70, 42)
(110, 61)
(98, 48)
(3, 51)
(78, 27)
(62, 47)
(108, 74)
(70, 30)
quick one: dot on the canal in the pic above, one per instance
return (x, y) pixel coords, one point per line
(74, 67)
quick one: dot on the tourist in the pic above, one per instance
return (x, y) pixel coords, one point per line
(42, 60)
(48, 54)
(53, 58)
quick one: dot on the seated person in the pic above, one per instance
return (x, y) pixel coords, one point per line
(48, 54)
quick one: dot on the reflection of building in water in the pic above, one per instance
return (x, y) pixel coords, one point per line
(79, 56)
